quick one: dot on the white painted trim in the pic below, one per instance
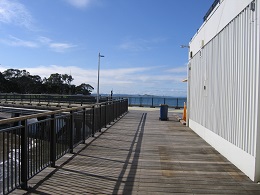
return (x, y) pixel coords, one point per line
(241, 159)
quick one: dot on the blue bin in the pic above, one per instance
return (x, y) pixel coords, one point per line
(163, 112)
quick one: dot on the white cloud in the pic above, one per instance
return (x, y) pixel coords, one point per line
(134, 46)
(16, 42)
(39, 42)
(13, 12)
(60, 47)
(80, 3)
(55, 46)
(44, 40)
(138, 45)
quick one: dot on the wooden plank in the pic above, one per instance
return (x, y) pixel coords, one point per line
(142, 155)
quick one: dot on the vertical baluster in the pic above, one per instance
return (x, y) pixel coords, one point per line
(106, 104)
(8, 160)
(30, 151)
(84, 126)
(16, 146)
(100, 117)
(53, 141)
(12, 160)
(20, 154)
(72, 125)
(4, 163)
(93, 121)
(24, 154)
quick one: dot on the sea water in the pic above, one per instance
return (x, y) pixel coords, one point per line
(156, 101)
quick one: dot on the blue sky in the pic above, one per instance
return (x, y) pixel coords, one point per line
(140, 40)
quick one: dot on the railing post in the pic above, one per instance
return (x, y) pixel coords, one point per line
(141, 102)
(59, 100)
(70, 100)
(115, 109)
(71, 131)
(100, 117)
(24, 155)
(106, 113)
(163, 100)
(53, 141)
(130, 100)
(48, 99)
(110, 112)
(93, 122)
(84, 126)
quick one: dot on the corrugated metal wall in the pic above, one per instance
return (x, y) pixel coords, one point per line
(223, 89)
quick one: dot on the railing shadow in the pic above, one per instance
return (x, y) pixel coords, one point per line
(137, 139)
(35, 190)
(103, 170)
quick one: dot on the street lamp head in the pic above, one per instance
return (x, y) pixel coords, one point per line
(101, 56)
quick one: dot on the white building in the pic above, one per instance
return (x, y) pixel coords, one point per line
(224, 82)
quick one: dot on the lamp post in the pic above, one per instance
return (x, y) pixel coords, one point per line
(99, 56)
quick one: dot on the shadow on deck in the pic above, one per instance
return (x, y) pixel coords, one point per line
(142, 155)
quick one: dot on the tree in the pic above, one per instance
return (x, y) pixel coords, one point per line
(54, 83)
(29, 84)
(67, 79)
(84, 89)
(21, 81)
(2, 82)
(12, 74)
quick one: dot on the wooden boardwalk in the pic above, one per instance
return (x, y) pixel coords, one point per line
(142, 155)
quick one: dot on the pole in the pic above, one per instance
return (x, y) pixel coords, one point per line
(99, 56)
(98, 78)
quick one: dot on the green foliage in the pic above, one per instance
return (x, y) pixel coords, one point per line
(21, 81)
(84, 89)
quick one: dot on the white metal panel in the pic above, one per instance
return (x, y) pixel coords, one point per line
(225, 12)
(223, 88)
(257, 58)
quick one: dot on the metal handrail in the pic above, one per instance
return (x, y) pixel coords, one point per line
(21, 118)
(26, 149)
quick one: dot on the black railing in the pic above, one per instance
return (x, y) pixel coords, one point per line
(26, 149)
(75, 100)
(153, 101)
(215, 3)
(47, 99)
